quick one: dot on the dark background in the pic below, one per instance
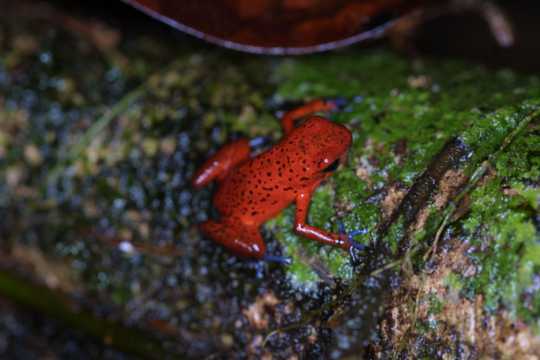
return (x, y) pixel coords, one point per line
(464, 36)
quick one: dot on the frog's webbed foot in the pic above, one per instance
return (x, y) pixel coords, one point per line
(354, 246)
(259, 142)
(339, 103)
(344, 104)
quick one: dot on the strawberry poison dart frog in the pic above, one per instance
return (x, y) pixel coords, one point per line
(252, 190)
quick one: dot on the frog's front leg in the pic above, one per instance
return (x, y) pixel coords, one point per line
(219, 164)
(303, 200)
(242, 239)
(289, 119)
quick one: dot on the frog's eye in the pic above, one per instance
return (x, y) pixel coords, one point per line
(332, 167)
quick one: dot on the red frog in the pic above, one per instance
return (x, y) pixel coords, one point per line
(253, 190)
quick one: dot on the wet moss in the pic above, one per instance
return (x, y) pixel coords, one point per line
(504, 251)
(414, 103)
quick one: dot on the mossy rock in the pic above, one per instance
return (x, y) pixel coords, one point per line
(98, 142)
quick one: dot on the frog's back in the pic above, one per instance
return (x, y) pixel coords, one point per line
(258, 188)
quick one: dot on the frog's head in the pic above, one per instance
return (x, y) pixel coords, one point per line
(325, 144)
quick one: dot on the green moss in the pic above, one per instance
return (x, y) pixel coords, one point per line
(453, 282)
(416, 107)
(436, 305)
(302, 251)
(506, 243)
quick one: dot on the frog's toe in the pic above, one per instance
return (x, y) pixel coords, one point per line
(341, 227)
(277, 259)
(350, 237)
(339, 102)
(354, 244)
(259, 142)
(353, 233)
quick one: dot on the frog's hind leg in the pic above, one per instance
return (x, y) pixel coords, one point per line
(243, 240)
